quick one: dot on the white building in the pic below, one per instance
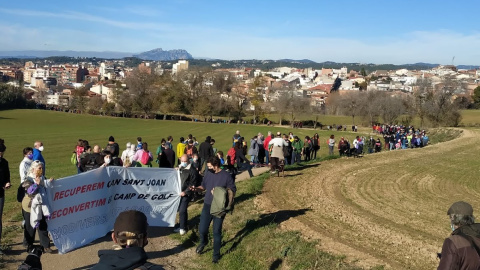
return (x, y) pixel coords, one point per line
(58, 100)
(106, 92)
(179, 66)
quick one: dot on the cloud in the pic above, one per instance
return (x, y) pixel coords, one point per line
(246, 42)
(79, 16)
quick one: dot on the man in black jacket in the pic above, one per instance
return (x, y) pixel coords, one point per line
(4, 182)
(188, 177)
(205, 152)
(113, 147)
(462, 249)
(130, 235)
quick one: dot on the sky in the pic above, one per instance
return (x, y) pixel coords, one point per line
(376, 31)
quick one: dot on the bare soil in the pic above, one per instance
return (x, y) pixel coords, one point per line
(383, 209)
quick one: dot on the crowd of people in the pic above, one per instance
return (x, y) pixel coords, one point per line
(202, 167)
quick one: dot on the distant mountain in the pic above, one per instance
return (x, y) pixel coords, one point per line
(161, 55)
(303, 61)
(467, 67)
(43, 54)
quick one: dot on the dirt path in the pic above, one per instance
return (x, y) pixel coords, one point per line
(384, 209)
(162, 249)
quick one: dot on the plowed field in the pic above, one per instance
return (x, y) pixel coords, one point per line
(383, 209)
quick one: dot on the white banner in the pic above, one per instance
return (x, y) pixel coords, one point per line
(84, 206)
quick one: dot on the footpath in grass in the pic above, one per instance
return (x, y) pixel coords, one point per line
(253, 239)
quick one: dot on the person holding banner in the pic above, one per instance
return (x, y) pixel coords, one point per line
(35, 177)
(130, 236)
(188, 177)
(214, 177)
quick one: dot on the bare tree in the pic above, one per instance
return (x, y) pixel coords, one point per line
(80, 99)
(124, 100)
(350, 104)
(391, 108)
(440, 107)
(370, 105)
(144, 89)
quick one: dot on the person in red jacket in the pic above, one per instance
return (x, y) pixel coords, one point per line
(265, 146)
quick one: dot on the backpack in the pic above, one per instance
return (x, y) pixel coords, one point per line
(92, 163)
(231, 156)
(73, 159)
(223, 200)
(145, 159)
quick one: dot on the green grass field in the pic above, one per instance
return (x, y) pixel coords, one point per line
(249, 226)
(60, 131)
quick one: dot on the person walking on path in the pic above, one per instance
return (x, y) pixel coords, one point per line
(331, 144)
(214, 177)
(188, 179)
(266, 142)
(205, 151)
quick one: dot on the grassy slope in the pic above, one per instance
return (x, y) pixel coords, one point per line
(60, 131)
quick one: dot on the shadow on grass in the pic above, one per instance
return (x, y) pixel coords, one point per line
(276, 264)
(264, 220)
(300, 167)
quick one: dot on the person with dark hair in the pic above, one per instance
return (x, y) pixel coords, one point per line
(297, 145)
(307, 148)
(25, 163)
(79, 149)
(180, 149)
(143, 157)
(214, 177)
(139, 143)
(4, 182)
(169, 141)
(113, 147)
(241, 161)
(275, 148)
(316, 146)
(205, 151)
(167, 159)
(160, 150)
(188, 178)
(462, 249)
(331, 144)
(130, 236)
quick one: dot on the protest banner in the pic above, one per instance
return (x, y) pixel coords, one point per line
(84, 206)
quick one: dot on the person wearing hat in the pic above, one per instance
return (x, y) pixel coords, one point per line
(130, 236)
(4, 181)
(462, 249)
(113, 147)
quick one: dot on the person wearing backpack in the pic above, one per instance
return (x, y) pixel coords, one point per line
(214, 177)
(93, 160)
(462, 249)
(113, 147)
(143, 157)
